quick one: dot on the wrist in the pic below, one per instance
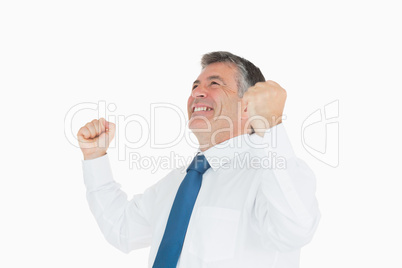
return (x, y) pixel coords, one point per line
(260, 128)
(93, 156)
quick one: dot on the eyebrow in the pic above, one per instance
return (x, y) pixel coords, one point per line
(212, 77)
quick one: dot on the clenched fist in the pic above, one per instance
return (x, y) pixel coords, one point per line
(94, 138)
(263, 105)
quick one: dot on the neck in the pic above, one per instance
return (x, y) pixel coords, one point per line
(207, 143)
(211, 138)
(208, 140)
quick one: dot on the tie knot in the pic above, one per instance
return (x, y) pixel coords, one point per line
(199, 164)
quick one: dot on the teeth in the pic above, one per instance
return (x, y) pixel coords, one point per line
(202, 109)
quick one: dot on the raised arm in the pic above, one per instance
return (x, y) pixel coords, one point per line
(125, 224)
(286, 209)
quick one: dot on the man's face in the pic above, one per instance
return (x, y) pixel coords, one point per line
(213, 103)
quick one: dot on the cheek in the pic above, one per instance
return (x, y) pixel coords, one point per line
(215, 98)
(231, 107)
(189, 102)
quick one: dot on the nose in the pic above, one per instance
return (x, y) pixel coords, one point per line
(199, 92)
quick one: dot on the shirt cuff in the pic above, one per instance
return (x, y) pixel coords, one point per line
(278, 141)
(97, 172)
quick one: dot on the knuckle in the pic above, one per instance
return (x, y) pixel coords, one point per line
(271, 82)
(80, 131)
(101, 121)
(258, 84)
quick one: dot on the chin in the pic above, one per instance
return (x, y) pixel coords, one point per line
(199, 123)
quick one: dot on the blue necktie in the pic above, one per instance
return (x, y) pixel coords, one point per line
(176, 227)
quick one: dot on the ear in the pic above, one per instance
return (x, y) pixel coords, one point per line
(244, 117)
(243, 109)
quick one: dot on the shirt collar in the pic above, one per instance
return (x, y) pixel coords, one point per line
(224, 152)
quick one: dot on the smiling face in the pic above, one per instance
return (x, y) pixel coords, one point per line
(214, 104)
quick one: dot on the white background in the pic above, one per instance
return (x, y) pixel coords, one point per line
(57, 54)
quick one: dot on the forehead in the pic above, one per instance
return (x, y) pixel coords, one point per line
(226, 70)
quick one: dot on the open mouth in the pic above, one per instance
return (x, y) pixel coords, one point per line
(202, 109)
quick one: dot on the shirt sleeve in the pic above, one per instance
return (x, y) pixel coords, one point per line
(286, 208)
(125, 224)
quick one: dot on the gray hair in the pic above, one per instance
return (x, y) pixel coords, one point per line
(248, 73)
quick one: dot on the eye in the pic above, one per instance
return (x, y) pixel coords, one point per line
(194, 87)
(214, 83)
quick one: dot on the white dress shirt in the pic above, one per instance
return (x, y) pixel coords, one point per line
(256, 206)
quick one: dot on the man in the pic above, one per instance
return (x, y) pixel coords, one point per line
(244, 212)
